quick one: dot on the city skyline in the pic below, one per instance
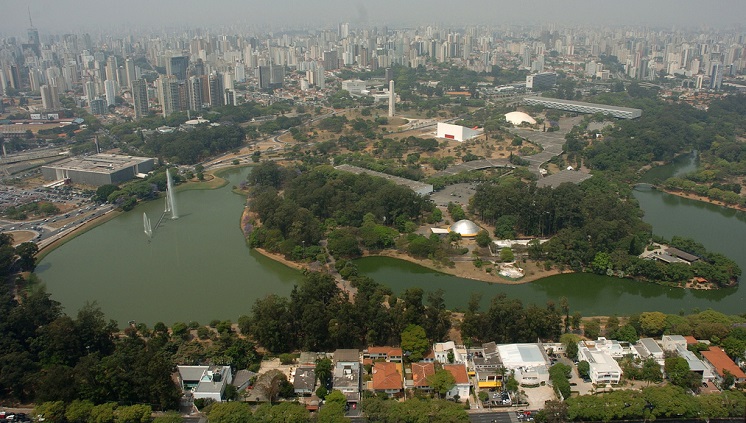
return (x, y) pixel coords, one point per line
(87, 15)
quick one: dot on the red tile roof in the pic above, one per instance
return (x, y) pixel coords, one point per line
(690, 340)
(420, 372)
(388, 351)
(386, 376)
(718, 358)
(458, 371)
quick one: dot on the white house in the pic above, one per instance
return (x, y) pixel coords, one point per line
(205, 381)
(462, 386)
(604, 369)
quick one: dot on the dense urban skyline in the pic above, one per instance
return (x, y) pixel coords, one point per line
(88, 15)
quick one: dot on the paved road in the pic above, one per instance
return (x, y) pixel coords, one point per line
(490, 417)
(551, 142)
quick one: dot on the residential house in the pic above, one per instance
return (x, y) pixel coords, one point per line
(388, 378)
(205, 381)
(390, 354)
(242, 379)
(603, 367)
(347, 372)
(650, 348)
(444, 350)
(720, 363)
(462, 386)
(695, 364)
(304, 381)
(420, 374)
(671, 342)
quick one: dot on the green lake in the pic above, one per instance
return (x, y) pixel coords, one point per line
(199, 268)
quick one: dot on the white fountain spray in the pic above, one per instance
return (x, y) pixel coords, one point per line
(170, 197)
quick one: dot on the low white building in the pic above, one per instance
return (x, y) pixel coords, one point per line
(205, 381)
(456, 132)
(650, 348)
(354, 86)
(441, 350)
(604, 369)
(461, 380)
(528, 361)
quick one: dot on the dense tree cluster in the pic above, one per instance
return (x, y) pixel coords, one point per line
(507, 321)
(319, 317)
(192, 146)
(416, 410)
(297, 209)
(48, 356)
(655, 402)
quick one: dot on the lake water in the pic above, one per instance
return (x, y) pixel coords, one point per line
(195, 268)
(199, 268)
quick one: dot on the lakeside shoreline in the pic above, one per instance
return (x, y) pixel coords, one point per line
(215, 182)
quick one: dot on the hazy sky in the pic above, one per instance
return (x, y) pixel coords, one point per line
(57, 16)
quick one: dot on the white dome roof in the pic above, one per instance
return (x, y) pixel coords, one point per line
(465, 228)
(517, 118)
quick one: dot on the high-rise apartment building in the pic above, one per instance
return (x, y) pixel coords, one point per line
(140, 97)
(129, 70)
(110, 90)
(49, 97)
(177, 66)
(331, 60)
(168, 94)
(195, 93)
(217, 95)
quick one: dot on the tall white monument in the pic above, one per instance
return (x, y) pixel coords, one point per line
(392, 99)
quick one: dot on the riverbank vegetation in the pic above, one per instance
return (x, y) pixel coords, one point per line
(666, 130)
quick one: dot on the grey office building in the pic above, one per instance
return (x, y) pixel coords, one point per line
(98, 169)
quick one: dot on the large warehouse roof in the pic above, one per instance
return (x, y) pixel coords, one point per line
(517, 118)
(582, 107)
(517, 355)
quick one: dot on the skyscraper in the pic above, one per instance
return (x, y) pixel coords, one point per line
(168, 94)
(129, 70)
(331, 60)
(217, 95)
(140, 97)
(716, 77)
(110, 89)
(49, 97)
(195, 93)
(112, 68)
(177, 66)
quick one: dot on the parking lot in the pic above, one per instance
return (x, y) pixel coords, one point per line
(457, 193)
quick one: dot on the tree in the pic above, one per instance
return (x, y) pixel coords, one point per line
(678, 372)
(104, 191)
(653, 323)
(584, 369)
(336, 397)
(571, 350)
(26, 253)
(592, 328)
(52, 411)
(651, 371)
(483, 238)
(332, 413)
(414, 341)
(506, 255)
(270, 384)
(103, 413)
(627, 333)
(323, 371)
(284, 412)
(441, 382)
(230, 412)
(132, 414)
(170, 417)
(79, 411)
